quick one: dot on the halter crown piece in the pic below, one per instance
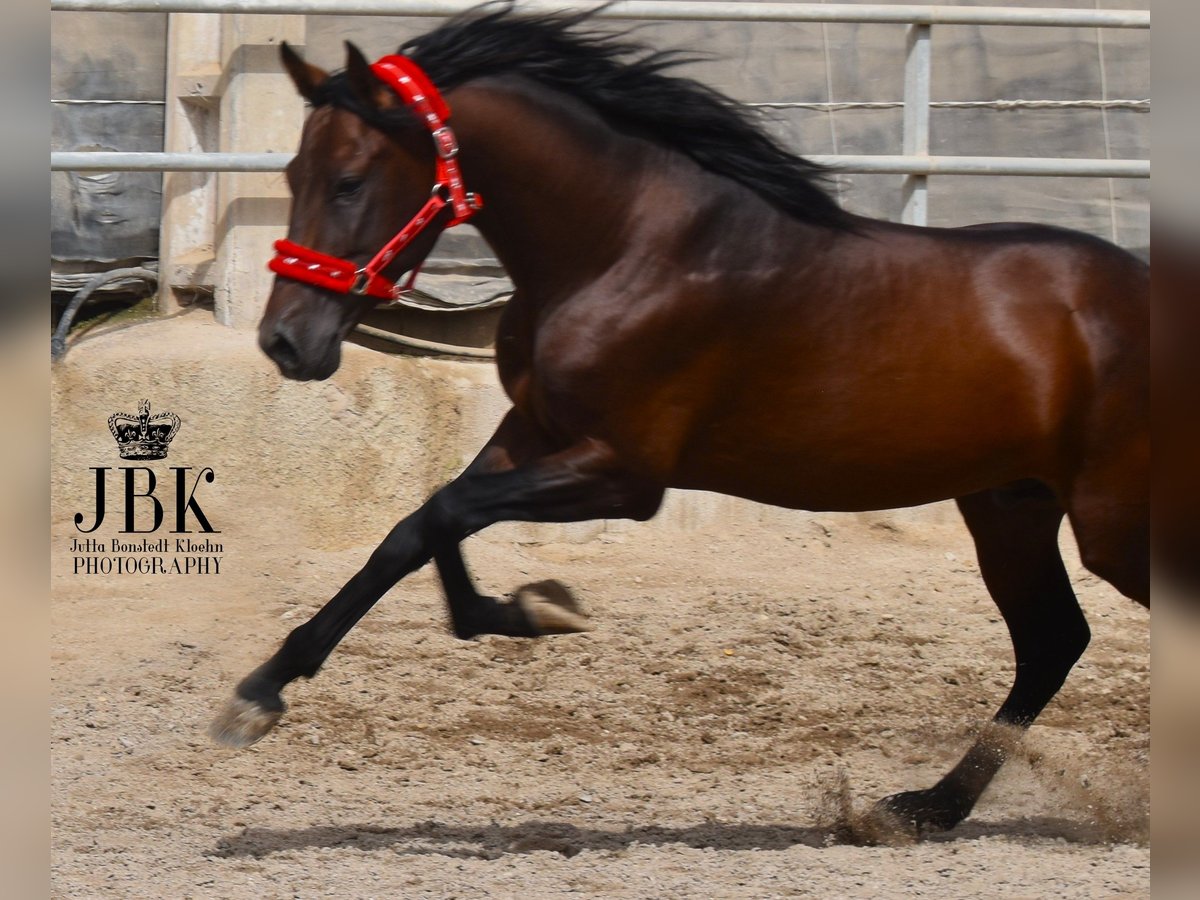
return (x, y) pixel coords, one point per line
(302, 263)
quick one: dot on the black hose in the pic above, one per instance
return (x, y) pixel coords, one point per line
(58, 343)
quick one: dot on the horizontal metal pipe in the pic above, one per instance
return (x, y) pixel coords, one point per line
(437, 347)
(120, 161)
(987, 165)
(652, 9)
(110, 161)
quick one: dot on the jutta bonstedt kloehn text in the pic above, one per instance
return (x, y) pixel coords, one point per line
(157, 556)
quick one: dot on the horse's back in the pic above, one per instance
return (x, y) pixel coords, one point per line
(921, 364)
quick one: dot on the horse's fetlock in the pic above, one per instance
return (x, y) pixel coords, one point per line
(261, 691)
(296, 657)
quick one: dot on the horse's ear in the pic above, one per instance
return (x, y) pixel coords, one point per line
(304, 76)
(362, 80)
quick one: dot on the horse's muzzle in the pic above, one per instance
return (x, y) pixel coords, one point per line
(296, 357)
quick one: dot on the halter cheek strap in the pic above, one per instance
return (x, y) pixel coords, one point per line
(332, 273)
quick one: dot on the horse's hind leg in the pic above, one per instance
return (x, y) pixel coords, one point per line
(1016, 539)
(1109, 509)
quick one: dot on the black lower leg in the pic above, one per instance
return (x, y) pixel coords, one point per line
(472, 613)
(1019, 558)
(308, 646)
(951, 800)
(575, 485)
(572, 485)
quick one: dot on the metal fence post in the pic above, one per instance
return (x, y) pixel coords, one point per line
(917, 76)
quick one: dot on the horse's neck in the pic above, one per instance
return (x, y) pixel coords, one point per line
(557, 183)
(567, 195)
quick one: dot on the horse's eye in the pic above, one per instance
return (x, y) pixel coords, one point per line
(347, 187)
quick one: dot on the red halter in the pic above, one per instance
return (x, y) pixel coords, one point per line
(340, 275)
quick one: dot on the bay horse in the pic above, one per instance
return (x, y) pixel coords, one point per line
(693, 310)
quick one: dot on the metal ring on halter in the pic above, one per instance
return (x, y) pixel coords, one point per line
(362, 279)
(441, 191)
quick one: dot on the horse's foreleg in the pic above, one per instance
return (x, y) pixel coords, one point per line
(1017, 546)
(257, 703)
(537, 609)
(577, 484)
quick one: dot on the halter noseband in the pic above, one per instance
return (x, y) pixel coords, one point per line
(302, 263)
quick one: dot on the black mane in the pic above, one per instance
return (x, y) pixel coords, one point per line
(625, 82)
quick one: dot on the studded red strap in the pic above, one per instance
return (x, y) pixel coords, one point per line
(332, 273)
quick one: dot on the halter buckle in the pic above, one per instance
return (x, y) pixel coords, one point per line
(447, 143)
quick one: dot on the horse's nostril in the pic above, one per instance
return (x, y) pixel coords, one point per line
(279, 347)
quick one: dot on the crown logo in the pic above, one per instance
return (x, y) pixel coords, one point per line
(143, 436)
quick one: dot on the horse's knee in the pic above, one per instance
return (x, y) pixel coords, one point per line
(1050, 658)
(445, 518)
(1047, 651)
(1047, 642)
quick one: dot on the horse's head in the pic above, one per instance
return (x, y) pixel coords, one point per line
(364, 168)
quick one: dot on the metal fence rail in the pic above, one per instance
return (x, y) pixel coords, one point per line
(915, 163)
(116, 161)
(654, 9)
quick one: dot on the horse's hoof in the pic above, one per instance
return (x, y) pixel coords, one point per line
(918, 813)
(243, 722)
(551, 608)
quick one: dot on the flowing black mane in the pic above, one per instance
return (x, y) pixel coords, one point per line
(624, 81)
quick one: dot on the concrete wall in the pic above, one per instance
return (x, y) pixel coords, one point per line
(222, 89)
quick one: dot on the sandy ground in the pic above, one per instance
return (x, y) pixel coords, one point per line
(692, 745)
